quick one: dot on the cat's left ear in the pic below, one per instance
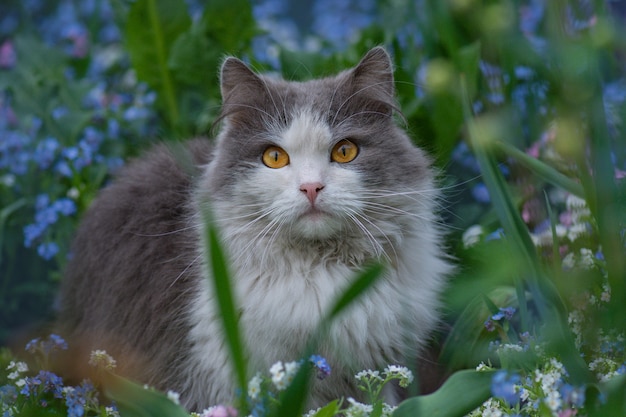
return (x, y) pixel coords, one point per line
(372, 79)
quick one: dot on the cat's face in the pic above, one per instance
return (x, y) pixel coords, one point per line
(319, 159)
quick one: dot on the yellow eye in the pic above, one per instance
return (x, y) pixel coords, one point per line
(275, 157)
(344, 151)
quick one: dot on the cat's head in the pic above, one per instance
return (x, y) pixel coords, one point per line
(318, 159)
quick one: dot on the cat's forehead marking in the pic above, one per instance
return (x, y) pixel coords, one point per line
(306, 132)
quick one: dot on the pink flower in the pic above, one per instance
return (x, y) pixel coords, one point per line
(219, 411)
(7, 55)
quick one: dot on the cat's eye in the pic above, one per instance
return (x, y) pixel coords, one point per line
(344, 151)
(275, 157)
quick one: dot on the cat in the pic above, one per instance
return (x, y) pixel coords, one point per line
(306, 182)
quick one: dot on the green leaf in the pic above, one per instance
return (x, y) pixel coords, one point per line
(133, 400)
(463, 392)
(4, 216)
(152, 26)
(230, 23)
(329, 410)
(541, 169)
(292, 400)
(361, 284)
(215, 257)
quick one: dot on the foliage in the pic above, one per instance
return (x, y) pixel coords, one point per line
(521, 102)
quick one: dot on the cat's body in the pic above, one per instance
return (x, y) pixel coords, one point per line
(300, 211)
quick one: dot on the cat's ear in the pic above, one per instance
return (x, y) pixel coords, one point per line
(375, 70)
(238, 81)
(372, 80)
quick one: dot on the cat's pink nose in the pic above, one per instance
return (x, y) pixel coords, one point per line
(311, 190)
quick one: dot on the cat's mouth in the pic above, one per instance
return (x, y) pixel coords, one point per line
(316, 223)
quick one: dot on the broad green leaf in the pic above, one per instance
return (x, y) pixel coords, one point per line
(152, 26)
(463, 392)
(230, 24)
(194, 60)
(133, 400)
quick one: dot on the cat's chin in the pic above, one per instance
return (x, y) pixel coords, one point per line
(316, 224)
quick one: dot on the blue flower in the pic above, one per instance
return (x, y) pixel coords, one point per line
(43, 382)
(77, 398)
(481, 193)
(32, 232)
(490, 325)
(574, 396)
(47, 250)
(64, 206)
(8, 394)
(51, 343)
(47, 216)
(45, 153)
(504, 313)
(505, 386)
(322, 366)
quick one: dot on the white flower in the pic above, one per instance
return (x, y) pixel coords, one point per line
(482, 367)
(587, 259)
(357, 409)
(312, 413)
(388, 410)
(111, 412)
(401, 372)
(577, 230)
(19, 367)
(491, 409)
(368, 375)
(102, 360)
(553, 400)
(472, 236)
(568, 262)
(173, 397)
(575, 203)
(254, 387)
(282, 375)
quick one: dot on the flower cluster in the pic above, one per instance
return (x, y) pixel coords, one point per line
(544, 391)
(45, 390)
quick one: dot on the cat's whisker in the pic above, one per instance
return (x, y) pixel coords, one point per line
(359, 92)
(192, 263)
(172, 232)
(360, 114)
(247, 106)
(261, 234)
(377, 246)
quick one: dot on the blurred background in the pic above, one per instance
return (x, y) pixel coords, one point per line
(521, 103)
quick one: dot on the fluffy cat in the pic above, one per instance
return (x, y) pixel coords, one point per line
(307, 182)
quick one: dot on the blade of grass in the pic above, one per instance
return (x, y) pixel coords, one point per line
(215, 257)
(545, 171)
(361, 284)
(4, 216)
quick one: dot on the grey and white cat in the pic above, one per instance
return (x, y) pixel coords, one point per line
(307, 182)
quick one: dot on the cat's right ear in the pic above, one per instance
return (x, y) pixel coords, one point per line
(238, 81)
